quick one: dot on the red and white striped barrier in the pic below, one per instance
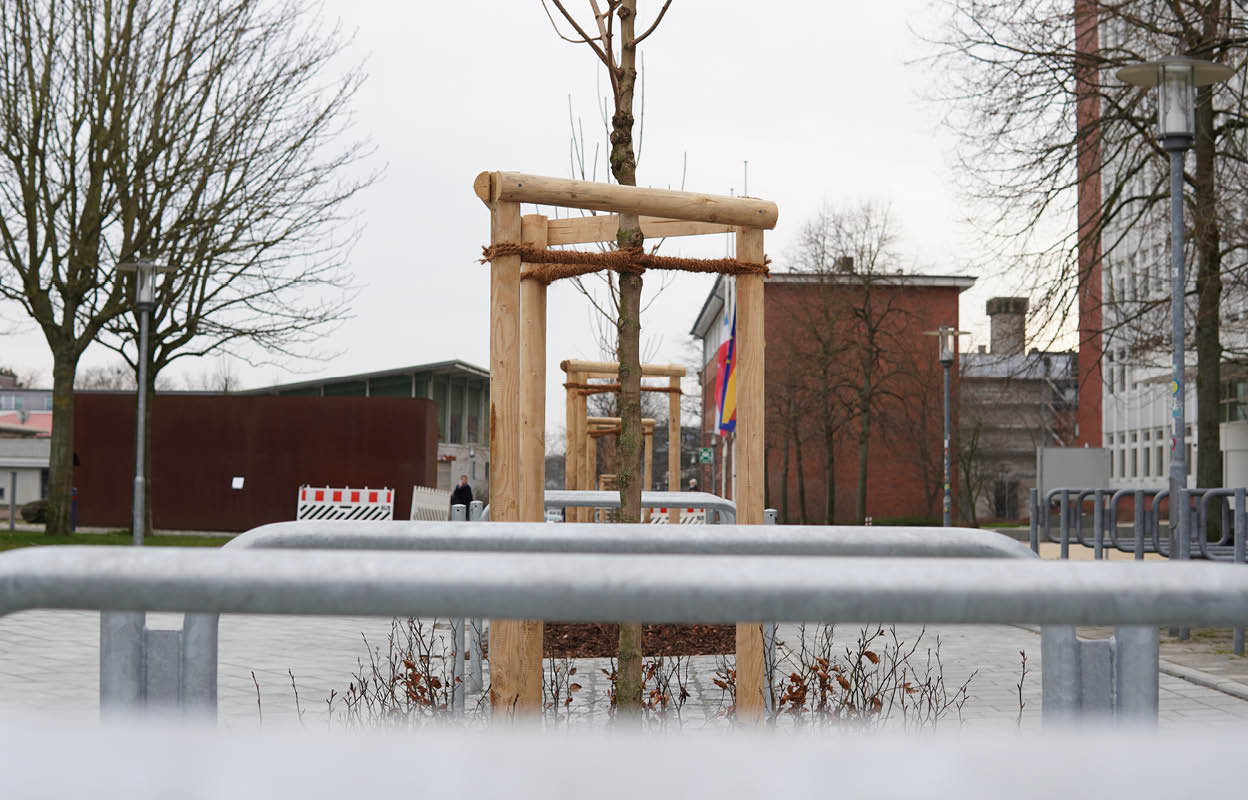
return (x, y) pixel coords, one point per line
(687, 516)
(357, 504)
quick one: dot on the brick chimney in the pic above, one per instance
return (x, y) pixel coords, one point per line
(1008, 316)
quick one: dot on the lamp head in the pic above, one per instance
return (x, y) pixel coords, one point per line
(1177, 78)
(145, 273)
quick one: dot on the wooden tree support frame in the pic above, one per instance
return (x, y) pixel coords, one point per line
(517, 379)
(576, 474)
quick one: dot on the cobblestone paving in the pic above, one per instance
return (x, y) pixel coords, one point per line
(49, 661)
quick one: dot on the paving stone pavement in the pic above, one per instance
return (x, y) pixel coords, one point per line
(49, 661)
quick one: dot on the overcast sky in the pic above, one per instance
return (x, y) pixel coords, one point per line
(824, 100)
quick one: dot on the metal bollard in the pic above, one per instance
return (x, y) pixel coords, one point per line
(459, 513)
(1241, 533)
(12, 500)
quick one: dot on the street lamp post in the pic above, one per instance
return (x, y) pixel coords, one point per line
(948, 341)
(144, 301)
(1176, 79)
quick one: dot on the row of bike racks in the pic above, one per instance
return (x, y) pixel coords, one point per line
(1101, 507)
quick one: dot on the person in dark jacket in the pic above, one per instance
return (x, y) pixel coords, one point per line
(463, 493)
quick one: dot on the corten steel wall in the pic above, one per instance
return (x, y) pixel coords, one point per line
(200, 442)
(904, 449)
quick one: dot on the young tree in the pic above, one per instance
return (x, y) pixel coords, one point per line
(617, 50)
(1036, 102)
(197, 133)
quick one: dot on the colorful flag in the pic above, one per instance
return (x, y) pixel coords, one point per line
(726, 375)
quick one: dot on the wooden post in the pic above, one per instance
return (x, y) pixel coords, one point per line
(533, 381)
(648, 443)
(673, 437)
(570, 450)
(577, 444)
(525, 636)
(510, 685)
(750, 455)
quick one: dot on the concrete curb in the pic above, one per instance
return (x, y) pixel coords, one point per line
(1189, 674)
(1202, 678)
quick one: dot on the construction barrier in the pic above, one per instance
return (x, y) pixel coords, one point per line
(352, 504)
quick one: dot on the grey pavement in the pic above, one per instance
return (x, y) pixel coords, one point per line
(49, 662)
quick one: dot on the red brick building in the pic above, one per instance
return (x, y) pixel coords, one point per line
(854, 394)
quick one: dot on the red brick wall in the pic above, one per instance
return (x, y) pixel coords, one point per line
(907, 421)
(1088, 164)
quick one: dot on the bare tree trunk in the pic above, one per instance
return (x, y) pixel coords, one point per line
(801, 476)
(61, 453)
(784, 483)
(624, 167)
(829, 450)
(864, 444)
(1209, 294)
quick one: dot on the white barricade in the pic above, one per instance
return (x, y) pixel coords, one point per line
(346, 503)
(687, 516)
(431, 505)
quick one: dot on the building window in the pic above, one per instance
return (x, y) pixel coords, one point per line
(1160, 451)
(1148, 468)
(1122, 462)
(1135, 462)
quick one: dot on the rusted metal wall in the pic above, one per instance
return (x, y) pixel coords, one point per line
(200, 442)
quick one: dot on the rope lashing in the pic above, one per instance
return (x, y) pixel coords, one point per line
(548, 266)
(602, 388)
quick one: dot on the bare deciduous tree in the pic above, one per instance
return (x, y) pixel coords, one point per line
(853, 327)
(1016, 76)
(200, 133)
(617, 50)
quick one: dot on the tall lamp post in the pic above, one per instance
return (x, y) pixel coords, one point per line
(144, 301)
(948, 341)
(1176, 79)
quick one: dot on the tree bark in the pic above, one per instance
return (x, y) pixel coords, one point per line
(864, 444)
(1209, 298)
(784, 483)
(61, 447)
(829, 450)
(628, 689)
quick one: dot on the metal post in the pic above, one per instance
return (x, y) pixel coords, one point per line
(1135, 673)
(1177, 147)
(12, 500)
(948, 501)
(1139, 524)
(1065, 525)
(457, 681)
(1034, 522)
(770, 629)
(1059, 673)
(122, 661)
(1241, 533)
(476, 628)
(459, 513)
(1098, 525)
(140, 434)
